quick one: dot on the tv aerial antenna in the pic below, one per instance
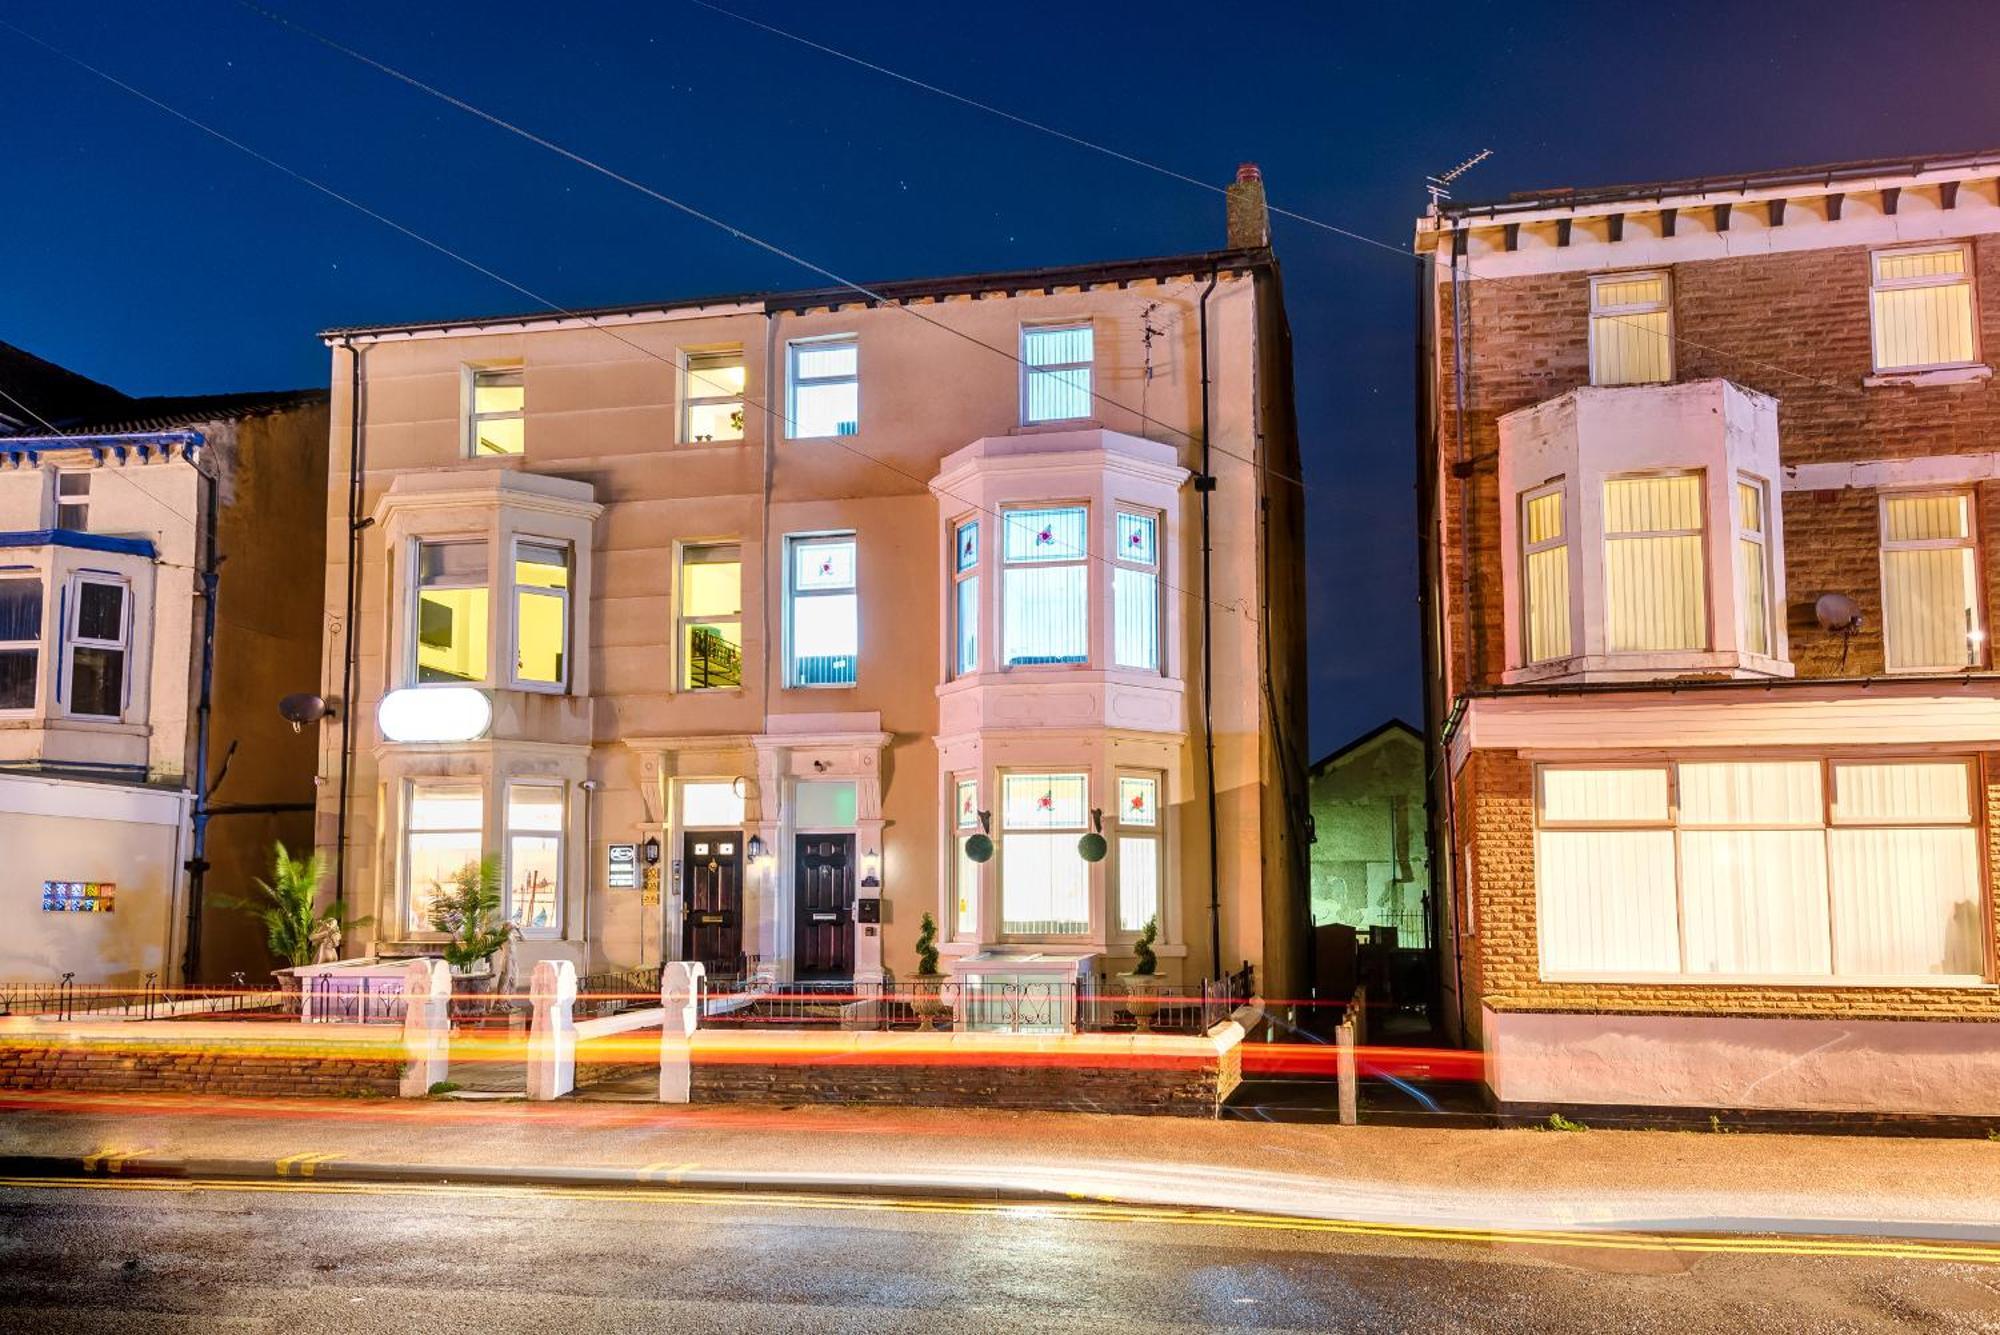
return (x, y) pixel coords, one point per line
(1440, 185)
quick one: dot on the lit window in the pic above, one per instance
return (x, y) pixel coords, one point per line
(1135, 592)
(541, 614)
(1753, 565)
(443, 838)
(711, 617)
(965, 598)
(1044, 881)
(97, 641)
(1631, 330)
(712, 804)
(1930, 590)
(825, 630)
(1138, 851)
(20, 641)
(534, 857)
(1922, 308)
(965, 824)
(1545, 575)
(1055, 382)
(712, 395)
(1654, 595)
(1045, 586)
(494, 425)
(451, 612)
(73, 501)
(825, 388)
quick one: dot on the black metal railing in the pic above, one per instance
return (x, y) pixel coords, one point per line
(332, 999)
(615, 990)
(67, 999)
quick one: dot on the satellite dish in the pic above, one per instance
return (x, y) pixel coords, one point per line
(1836, 611)
(303, 708)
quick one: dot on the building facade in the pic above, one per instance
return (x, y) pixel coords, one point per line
(759, 609)
(151, 551)
(1370, 857)
(1710, 479)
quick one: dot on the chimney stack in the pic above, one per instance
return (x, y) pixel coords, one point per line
(1249, 216)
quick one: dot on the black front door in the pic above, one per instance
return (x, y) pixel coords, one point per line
(712, 901)
(826, 907)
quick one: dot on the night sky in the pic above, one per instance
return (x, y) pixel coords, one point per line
(137, 250)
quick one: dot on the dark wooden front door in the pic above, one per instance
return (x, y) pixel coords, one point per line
(826, 907)
(712, 901)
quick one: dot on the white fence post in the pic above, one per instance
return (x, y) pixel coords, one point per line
(552, 1030)
(426, 1026)
(680, 997)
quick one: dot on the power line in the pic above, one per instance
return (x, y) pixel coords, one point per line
(61, 434)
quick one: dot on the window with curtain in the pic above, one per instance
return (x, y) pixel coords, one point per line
(711, 637)
(20, 640)
(442, 835)
(450, 639)
(1044, 881)
(541, 614)
(965, 824)
(1930, 583)
(712, 396)
(1753, 565)
(1135, 592)
(1545, 610)
(1655, 599)
(1045, 585)
(1139, 861)
(824, 616)
(495, 420)
(73, 501)
(1921, 306)
(534, 857)
(965, 598)
(1631, 329)
(1056, 370)
(824, 387)
(99, 632)
(1732, 869)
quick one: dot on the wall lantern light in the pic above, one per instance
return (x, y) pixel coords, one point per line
(434, 714)
(755, 848)
(871, 867)
(651, 848)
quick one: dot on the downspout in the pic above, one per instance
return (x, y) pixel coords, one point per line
(1462, 470)
(197, 862)
(1204, 486)
(349, 654)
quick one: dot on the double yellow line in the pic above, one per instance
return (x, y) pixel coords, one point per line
(1703, 1244)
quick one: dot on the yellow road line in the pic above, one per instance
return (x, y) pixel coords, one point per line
(1699, 1244)
(303, 1164)
(666, 1170)
(110, 1160)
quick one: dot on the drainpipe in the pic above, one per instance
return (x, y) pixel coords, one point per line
(352, 611)
(1204, 486)
(197, 862)
(589, 787)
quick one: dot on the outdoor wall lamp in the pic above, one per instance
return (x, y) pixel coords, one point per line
(652, 850)
(871, 865)
(755, 849)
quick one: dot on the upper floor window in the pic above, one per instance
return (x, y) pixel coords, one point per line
(1921, 305)
(73, 501)
(99, 625)
(444, 831)
(541, 614)
(824, 615)
(824, 387)
(1930, 587)
(1544, 575)
(1135, 591)
(712, 396)
(450, 639)
(965, 598)
(534, 857)
(1753, 565)
(20, 641)
(1044, 881)
(1045, 599)
(1631, 329)
(494, 423)
(1056, 371)
(711, 637)
(1655, 594)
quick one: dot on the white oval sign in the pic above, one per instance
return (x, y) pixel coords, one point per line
(434, 714)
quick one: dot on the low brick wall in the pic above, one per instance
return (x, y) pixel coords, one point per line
(165, 1056)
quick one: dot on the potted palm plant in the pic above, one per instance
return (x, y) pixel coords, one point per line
(287, 905)
(467, 911)
(927, 988)
(1143, 983)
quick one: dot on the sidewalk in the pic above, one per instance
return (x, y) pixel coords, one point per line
(1687, 1181)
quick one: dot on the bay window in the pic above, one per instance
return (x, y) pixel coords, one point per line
(1044, 881)
(711, 597)
(20, 641)
(712, 396)
(1545, 575)
(1930, 587)
(443, 833)
(534, 857)
(96, 651)
(1139, 861)
(1753, 566)
(1631, 329)
(1655, 596)
(1045, 586)
(965, 598)
(965, 873)
(1920, 305)
(496, 412)
(1748, 870)
(1055, 372)
(824, 626)
(824, 387)
(1135, 592)
(541, 614)
(450, 639)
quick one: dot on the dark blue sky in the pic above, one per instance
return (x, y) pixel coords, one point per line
(138, 251)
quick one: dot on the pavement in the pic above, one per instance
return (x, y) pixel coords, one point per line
(1945, 1191)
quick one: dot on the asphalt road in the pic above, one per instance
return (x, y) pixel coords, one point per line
(150, 1258)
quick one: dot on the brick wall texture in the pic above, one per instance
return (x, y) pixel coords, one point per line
(129, 1068)
(1179, 1090)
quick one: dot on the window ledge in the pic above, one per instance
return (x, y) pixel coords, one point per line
(1061, 424)
(1942, 375)
(1958, 982)
(1640, 667)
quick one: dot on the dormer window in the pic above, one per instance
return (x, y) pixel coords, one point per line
(1631, 329)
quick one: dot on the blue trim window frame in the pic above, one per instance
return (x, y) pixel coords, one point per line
(23, 616)
(96, 651)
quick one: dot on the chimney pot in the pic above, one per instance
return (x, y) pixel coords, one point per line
(1248, 216)
(1248, 171)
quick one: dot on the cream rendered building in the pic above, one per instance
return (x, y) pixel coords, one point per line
(796, 592)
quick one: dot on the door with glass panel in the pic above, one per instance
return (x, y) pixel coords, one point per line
(825, 876)
(712, 901)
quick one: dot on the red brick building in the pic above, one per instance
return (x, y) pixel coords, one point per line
(1710, 492)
